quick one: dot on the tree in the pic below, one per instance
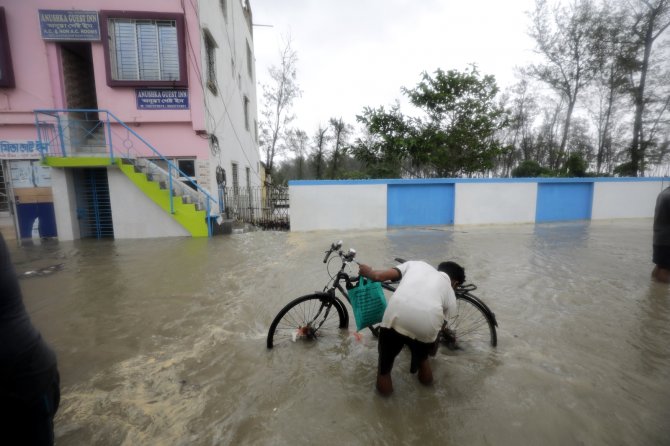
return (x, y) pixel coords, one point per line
(519, 136)
(278, 99)
(319, 157)
(610, 80)
(565, 39)
(297, 143)
(650, 19)
(383, 145)
(454, 135)
(341, 132)
(457, 135)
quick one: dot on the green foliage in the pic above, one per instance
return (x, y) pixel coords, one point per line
(575, 166)
(385, 146)
(625, 170)
(453, 136)
(529, 169)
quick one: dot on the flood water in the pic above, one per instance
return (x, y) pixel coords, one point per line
(162, 342)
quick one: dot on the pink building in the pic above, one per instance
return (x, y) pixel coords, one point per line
(123, 119)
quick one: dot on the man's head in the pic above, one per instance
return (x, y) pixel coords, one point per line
(455, 272)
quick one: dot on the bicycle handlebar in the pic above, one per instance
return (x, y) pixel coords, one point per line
(348, 257)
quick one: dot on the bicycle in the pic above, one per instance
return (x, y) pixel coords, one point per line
(323, 313)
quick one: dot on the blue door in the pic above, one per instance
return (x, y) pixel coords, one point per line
(420, 204)
(564, 201)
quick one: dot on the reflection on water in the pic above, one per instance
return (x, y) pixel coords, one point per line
(163, 341)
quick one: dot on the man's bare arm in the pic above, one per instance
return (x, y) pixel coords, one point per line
(379, 275)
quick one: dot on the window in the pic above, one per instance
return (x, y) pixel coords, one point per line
(249, 179)
(246, 113)
(187, 168)
(144, 49)
(236, 180)
(210, 56)
(224, 9)
(6, 70)
(250, 66)
(256, 130)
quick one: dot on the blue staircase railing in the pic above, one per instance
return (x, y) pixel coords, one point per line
(98, 133)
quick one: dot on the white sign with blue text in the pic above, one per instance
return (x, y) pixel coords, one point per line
(14, 150)
(161, 99)
(56, 24)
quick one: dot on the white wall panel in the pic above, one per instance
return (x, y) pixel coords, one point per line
(625, 199)
(338, 207)
(65, 201)
(489, 203)
(134, 214)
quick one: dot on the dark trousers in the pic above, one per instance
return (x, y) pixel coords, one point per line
(30, 423)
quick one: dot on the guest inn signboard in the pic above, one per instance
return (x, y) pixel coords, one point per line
(56, 24)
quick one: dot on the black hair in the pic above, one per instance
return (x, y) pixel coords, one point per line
(453, 270)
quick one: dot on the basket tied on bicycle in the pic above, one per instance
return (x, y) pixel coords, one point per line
(368, 302)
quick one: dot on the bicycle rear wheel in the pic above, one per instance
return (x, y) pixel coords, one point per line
(308, 318)
(472, 328)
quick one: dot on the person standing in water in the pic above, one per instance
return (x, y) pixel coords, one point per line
(661, 243)
(29, 380)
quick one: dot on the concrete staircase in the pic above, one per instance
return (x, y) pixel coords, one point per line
(186, 210)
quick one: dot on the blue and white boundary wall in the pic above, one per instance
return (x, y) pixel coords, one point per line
(378, 204)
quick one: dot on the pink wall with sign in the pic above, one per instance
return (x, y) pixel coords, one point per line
(40, 84)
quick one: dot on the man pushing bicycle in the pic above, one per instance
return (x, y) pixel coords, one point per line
(414, 315)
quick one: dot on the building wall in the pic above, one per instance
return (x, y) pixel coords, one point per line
(40, 84)
(231, 34)
(623, 199)
(347, 205)
(482, 203)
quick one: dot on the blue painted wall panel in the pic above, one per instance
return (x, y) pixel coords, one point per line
(564, 201)
(420, 204)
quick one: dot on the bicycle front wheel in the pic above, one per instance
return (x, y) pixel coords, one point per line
(308, 318)
(471, 328)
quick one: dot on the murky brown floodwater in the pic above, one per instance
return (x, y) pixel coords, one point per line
(162, 342)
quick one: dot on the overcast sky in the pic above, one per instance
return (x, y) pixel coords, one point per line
(357, 53)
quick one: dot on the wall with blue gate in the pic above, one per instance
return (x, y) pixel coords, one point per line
(376, 204)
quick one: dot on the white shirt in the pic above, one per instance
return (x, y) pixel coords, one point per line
(421, 302)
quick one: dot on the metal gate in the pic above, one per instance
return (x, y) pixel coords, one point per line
(94, 210)
(266, 207)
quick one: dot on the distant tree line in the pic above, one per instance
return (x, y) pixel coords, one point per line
(596, 103)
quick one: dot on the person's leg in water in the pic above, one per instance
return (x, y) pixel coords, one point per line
(420, 353)
(661, 259)
(661, 274)
(425, 373)
(389, 346)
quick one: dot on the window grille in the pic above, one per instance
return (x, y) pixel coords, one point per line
(236, 180)
(144, 49)
(210, 54)
(249, 62)
(246, 113)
